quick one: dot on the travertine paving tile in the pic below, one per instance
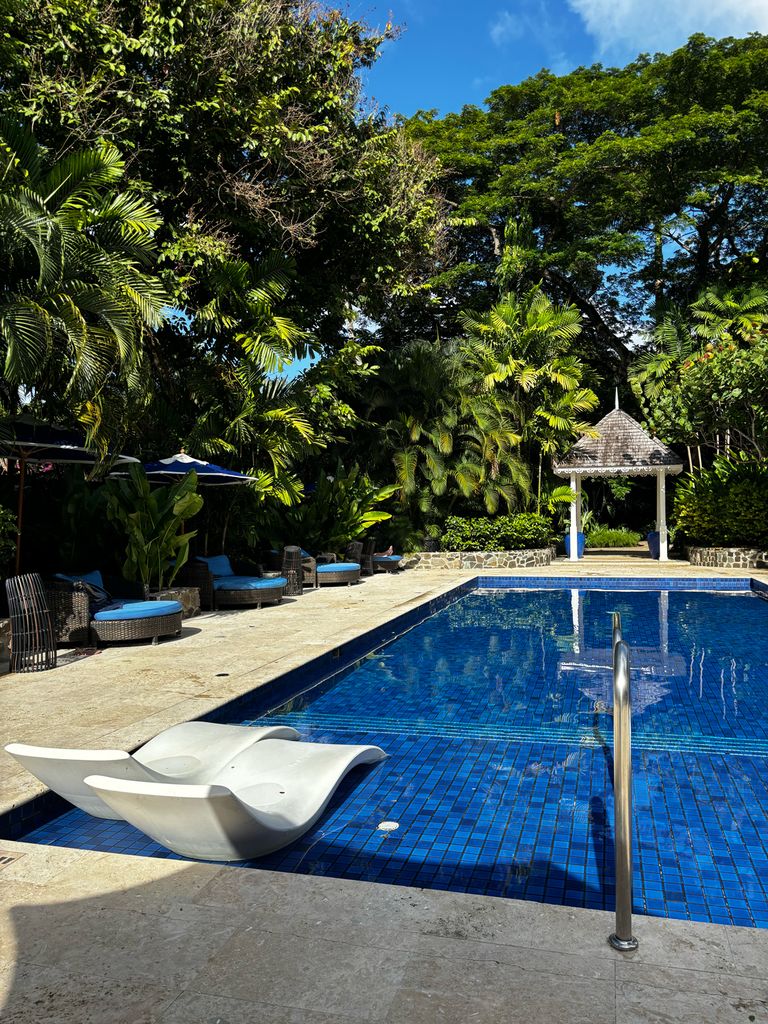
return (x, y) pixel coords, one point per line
(637, 1004)
(311, 974)
(456, 991)
(40, 994)
(195, 1008)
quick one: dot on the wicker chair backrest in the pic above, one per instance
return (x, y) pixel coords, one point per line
(354, 551)
(33, 641)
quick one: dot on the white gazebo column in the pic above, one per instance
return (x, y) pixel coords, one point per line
(661, 515)
(575, 517)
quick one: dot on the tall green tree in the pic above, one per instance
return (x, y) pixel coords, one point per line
(521, 348)
(244, 122)
(77, 294)
(632, 188)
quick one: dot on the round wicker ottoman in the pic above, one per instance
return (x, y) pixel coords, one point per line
(338, 572)
(137, 620)
(248, 590)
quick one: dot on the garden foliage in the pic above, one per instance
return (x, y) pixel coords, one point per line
(152, 519)
(498, 533)
(606, 537)
(725, 505)
(342, 507)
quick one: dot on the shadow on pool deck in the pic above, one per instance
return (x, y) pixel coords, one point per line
(194, 943)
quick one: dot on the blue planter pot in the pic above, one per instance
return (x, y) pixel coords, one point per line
(579, 545)
(654, 546)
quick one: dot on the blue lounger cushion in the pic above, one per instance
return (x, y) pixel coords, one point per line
(137, 610)
(337, 566)
(248, 583)
(218, 565)
(94, 577)
(387, 558)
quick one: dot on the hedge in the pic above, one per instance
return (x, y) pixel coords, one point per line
(724, 506)
(608, 537)
(497, 533)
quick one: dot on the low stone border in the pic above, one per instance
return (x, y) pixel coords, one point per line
(524, 559)
(728, 558)
(188, 598)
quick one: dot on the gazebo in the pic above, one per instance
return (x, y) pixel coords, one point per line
(621, 448)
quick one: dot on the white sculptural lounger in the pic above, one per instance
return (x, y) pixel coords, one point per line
(192, 752)
(269, 795)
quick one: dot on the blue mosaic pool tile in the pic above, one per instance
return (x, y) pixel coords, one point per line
(495, 713)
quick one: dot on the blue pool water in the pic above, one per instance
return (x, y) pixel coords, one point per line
(495, 713)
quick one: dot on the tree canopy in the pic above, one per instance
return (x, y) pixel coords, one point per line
(243, 120)
(628, 188)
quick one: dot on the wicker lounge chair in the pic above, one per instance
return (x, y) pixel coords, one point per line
(124, 618)
(264, 799)
(220, 584)
(381, 562)
(346, 571)
(192, 752)
(387, 563)
(366, 559)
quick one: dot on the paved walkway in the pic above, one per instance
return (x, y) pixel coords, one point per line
(91, 937)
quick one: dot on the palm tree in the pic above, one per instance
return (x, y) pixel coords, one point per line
(450, 439)
(715, 318)
(724, 316)
(76, 294)
(518, 349)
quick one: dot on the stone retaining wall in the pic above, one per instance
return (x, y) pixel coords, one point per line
(525, 559)
(728, 558)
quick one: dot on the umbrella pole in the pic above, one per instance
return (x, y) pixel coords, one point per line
(20, 511)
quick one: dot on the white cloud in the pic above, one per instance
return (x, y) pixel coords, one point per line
(506, 27)
(541, 25)
(631, 26)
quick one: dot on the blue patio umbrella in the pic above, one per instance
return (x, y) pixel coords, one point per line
(31, 441)
(208, 474)
(175, 467)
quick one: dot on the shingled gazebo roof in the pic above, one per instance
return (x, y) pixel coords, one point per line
(622, 448)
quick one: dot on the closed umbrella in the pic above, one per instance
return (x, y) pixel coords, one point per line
(31, 441)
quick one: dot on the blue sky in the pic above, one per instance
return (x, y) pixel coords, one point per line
(453, 52)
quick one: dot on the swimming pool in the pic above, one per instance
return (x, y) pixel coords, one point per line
(495, 713)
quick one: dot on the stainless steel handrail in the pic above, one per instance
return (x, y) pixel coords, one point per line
(622, 939)
(617, 634)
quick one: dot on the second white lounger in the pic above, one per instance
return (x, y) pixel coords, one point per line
(268, 796)
(192, 752)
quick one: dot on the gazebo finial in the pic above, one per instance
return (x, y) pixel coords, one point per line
(617, 398)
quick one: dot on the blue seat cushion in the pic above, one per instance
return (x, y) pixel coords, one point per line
(137, 610)
(248, 583)
(387, 558)
(218, 565)
(94, 577)
(337, 566)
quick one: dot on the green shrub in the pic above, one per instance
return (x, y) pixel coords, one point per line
(497, 533)
(725, 505)
(341, 508)
(607, 537)
(152, 520)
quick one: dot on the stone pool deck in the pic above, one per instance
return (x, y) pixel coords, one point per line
(92, 937)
